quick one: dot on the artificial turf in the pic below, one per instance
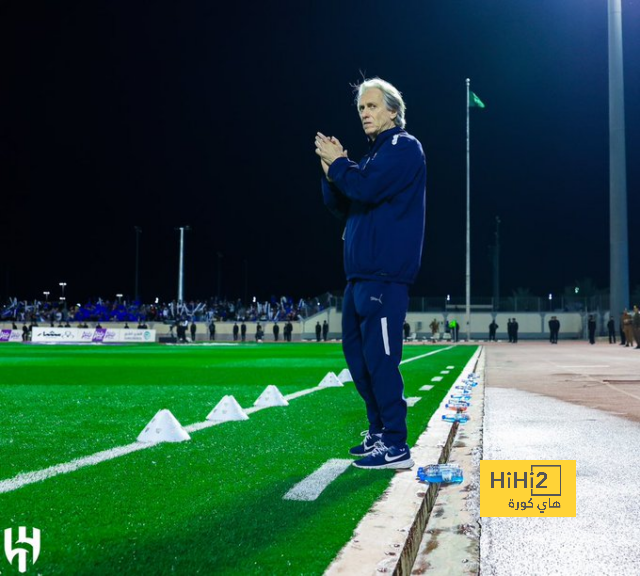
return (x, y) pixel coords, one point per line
(210, 505)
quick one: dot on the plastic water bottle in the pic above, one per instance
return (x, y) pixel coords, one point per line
(441, 473)
(457, 417)
(470, 382)
(460, 397)
(457, 406)
(463, 389)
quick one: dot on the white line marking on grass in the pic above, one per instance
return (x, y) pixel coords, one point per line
(436, 379)
(444, 371)
(413, 400)
(426, 388)
(26, 478)
(313, 485)
(425, 355)
(32, 477)
(450, 367)
(305, 392)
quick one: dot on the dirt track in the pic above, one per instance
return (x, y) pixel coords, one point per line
(602, 376)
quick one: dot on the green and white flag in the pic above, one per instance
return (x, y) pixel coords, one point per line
(475, 101)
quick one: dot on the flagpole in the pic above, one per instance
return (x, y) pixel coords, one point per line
(468, 263)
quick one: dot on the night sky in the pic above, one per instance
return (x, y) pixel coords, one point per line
(163, 114)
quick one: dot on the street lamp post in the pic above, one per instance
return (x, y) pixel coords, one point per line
(46, 295)
(62, 286)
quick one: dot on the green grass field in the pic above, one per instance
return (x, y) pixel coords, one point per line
(210, 505)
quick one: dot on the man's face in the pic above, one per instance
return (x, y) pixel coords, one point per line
(374, 115)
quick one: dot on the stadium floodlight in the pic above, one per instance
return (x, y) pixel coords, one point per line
(618, 221)
(182, 230)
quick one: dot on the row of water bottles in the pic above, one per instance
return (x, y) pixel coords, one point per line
(458, 403)
(460, 400)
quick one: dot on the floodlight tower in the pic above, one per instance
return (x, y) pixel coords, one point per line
(618, 235)
(182, 229)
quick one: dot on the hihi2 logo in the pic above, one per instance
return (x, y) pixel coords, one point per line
(528, 488)
(20, 552)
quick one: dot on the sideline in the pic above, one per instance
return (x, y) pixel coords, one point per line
(26, 478)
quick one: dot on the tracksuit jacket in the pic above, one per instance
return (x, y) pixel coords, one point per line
(383, 200)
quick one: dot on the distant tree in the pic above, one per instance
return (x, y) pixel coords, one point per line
(523, 300)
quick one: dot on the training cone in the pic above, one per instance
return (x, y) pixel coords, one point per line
(227, 409)
(270, 397)
(345, 376)
(330, 381)
(163, 428)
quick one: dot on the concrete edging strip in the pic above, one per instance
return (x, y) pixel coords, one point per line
(388, 537)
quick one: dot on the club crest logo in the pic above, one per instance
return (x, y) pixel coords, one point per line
(22, 553)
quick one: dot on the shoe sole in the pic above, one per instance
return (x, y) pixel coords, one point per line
(389, 465)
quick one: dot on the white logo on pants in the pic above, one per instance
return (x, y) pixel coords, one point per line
(385, 336)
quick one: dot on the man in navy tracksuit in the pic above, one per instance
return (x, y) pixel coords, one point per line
(382, 200)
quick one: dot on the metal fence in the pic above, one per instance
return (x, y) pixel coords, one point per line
(511, 304)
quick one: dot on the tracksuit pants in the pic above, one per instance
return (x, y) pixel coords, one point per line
(373, 315)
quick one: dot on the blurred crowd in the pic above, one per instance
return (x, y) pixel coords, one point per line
(121, 310)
